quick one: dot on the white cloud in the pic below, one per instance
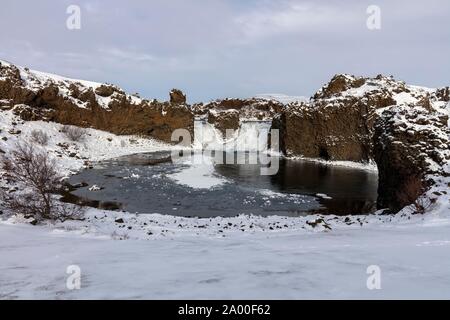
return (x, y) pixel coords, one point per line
(130, 55)
(218, 48)
(294, 17)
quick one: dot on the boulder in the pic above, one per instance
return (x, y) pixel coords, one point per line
(443, 94)
(105, 90)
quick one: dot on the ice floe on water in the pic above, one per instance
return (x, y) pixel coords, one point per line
(269, 195)
(324, 196)
(198, 173)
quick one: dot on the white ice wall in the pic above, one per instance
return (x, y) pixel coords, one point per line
(251, 136)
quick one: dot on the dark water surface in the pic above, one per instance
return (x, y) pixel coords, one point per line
(143, 184)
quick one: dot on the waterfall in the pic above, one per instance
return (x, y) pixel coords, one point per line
(206, 136)
(251, 136)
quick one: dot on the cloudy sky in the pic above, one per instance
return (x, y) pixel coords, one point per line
(222, 48)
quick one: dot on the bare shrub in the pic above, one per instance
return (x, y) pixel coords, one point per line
(412, 194)
(424, 204)
(74, 133)
(39, 137)
(34, 173)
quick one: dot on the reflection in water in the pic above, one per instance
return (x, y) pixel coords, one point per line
(142, 184)
(352, 190)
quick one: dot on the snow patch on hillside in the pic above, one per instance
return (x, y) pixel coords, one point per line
(285, 99)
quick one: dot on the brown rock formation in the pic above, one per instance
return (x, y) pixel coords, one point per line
(106, 90)
(123, 118)
(342, 133)
(225, 120)
(410, 146)
(83, 106)
(338, 123)
(443, 94)
(177, 97)
(339, 83)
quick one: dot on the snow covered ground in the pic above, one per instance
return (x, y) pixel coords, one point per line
(71, 156)
(414, 259)
(241, 257)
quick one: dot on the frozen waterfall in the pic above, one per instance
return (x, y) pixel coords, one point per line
(251, 136)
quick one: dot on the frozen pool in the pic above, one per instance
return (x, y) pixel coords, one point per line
(153, 183)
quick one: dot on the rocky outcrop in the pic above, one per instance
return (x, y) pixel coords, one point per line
(443, 94)
(224, 120)
(342, 133)
(102, 106)
(254, 108)
(103, 91)
(177, 97)
(338, 122)
(157, 120)
(339, 83)
(411, 146)
(403, 128)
